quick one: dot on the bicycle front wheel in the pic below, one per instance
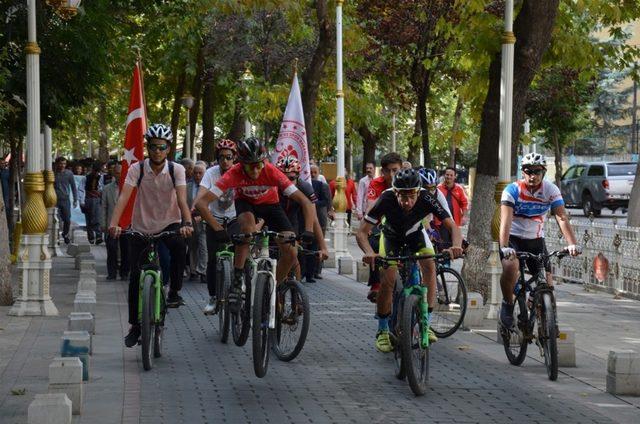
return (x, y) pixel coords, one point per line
(415, 358)
(547, 335)
(514, 341)
(292, 320)
(223, 283)
(451, 303)
(260, 326)
(147, 326)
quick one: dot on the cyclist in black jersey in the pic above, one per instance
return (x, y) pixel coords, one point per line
(404, 206)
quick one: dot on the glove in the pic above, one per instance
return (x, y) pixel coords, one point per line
(307, 238)
(508, 252)
(574, 250)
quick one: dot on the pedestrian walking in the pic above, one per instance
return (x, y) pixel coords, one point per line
(363, 188)
(109, 199)
(457, 201)
(92, 203)
(64, 185)
(197, 244)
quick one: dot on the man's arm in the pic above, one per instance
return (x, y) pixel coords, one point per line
(201, 203)
(362, 237)
(181, 192)
(74, 189)
(308, 210)
(565, 226)
(464, 204)
(506, 218)
(456, 237)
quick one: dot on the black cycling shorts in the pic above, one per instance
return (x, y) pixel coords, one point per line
(534, 246)
(274, 216)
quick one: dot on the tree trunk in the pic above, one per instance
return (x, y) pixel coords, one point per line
(533, 29)
(196, 92)
(422, 94)
(558, 157)
(76, 147)
(236, 132)
(175, 111)
(6, 293)
(369, 142)
(103, 150)
(633, 215)
(457, 118)
(312, 76)
(208, 123)
(413, 155)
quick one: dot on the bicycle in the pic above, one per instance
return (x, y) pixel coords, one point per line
(269, 303)
(409, 322)
(224, 270)
(534, 301)
(152, 307)
(451, 300)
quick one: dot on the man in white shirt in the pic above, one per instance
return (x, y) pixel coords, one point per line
(363, 188)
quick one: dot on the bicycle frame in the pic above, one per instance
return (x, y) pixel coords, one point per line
(151, 268)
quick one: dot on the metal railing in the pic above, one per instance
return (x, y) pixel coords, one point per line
(617, 245)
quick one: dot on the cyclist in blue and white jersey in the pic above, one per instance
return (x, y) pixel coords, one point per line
(524, 206)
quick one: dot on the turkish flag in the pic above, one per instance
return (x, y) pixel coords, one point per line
(134, 138)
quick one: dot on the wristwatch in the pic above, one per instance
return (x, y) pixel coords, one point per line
(187, 224)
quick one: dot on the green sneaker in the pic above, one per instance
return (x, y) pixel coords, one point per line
(383, 342)
(432, 336)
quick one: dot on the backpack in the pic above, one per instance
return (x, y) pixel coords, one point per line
(173, 178)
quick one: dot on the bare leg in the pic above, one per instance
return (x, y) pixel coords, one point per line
(510, 271)
(287, 259)
(247, 223)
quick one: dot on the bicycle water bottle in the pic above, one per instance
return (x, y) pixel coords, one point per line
(517, 288)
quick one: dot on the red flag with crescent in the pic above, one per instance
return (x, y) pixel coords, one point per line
(134, 137)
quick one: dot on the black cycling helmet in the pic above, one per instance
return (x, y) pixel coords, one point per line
(407, 179)
(251, 150)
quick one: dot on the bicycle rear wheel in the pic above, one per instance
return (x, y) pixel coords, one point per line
(547, 335)
(241, 321)
(292, 320)
(223, 283)
(451, 303)
(514, 341)
(147, 326)
(260, 326)
(415, 358)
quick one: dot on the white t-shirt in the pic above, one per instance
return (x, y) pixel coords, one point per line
(222, 207)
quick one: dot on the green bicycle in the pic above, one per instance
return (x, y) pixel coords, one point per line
(151, 300)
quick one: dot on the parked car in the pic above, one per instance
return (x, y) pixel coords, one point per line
(596, 185)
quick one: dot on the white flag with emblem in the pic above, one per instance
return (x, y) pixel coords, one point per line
(292, 139)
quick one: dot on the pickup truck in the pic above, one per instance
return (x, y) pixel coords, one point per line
(596, 185)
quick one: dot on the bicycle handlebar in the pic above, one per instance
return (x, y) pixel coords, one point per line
(150, 237)
(541, 256)
(384, 260)
(243, 237)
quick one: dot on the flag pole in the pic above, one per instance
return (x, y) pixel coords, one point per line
(295, 67)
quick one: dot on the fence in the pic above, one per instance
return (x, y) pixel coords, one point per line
(615, 245)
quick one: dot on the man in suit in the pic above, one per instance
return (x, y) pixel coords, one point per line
(110, 195)
(197, 244)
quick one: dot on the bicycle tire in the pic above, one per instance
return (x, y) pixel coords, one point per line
(241, 321)
(514, 342)
(147, 324)
(394, 324)
(451, 306)
(298, 308)
(159, 329)
(415, 359)
(223, 281)
(547, 335)
(260, 325)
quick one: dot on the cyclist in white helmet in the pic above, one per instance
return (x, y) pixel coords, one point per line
(523, 210)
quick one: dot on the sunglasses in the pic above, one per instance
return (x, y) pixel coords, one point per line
(156, 147)
(225, 157)
(255, 165)
(529, 171)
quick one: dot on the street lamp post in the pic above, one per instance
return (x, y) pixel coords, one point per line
(187, 102)
(246, 79)
(34, 258)
(342, 255)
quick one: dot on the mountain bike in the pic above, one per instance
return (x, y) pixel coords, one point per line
(409, 322)
(451, 300)
(151, 300)
(534, 304)
(224, 275)
(261, 276)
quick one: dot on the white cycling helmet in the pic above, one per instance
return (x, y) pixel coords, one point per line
(159, 131)
(534, 159)
(429, 177)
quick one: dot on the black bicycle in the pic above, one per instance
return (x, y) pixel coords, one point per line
(535, 304)
(451, 299)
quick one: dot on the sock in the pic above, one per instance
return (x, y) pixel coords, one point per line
(383, 323)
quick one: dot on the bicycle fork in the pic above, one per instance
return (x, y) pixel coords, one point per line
(157, 294)
(423, 305)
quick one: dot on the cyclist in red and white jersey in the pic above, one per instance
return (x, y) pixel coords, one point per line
(256, 183)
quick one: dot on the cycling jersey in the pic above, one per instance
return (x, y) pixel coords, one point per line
(223, 206)
(399, 223)
(530, 208)
(261, 191)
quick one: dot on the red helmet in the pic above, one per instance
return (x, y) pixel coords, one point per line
(289, 164)
(226, 144)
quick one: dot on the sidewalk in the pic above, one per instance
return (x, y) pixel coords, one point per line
(338, 377)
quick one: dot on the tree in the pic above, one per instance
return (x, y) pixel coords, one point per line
(6, 295)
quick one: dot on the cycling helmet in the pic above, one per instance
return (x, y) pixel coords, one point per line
(159, 131)
(429, 177)
(407, 179)
(288, 164)
(251, 150)
(226, 144)
(533, 159)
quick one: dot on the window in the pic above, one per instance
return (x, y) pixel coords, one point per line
(579, 171)
(622, 169)
(596, 171)
(571, 172)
